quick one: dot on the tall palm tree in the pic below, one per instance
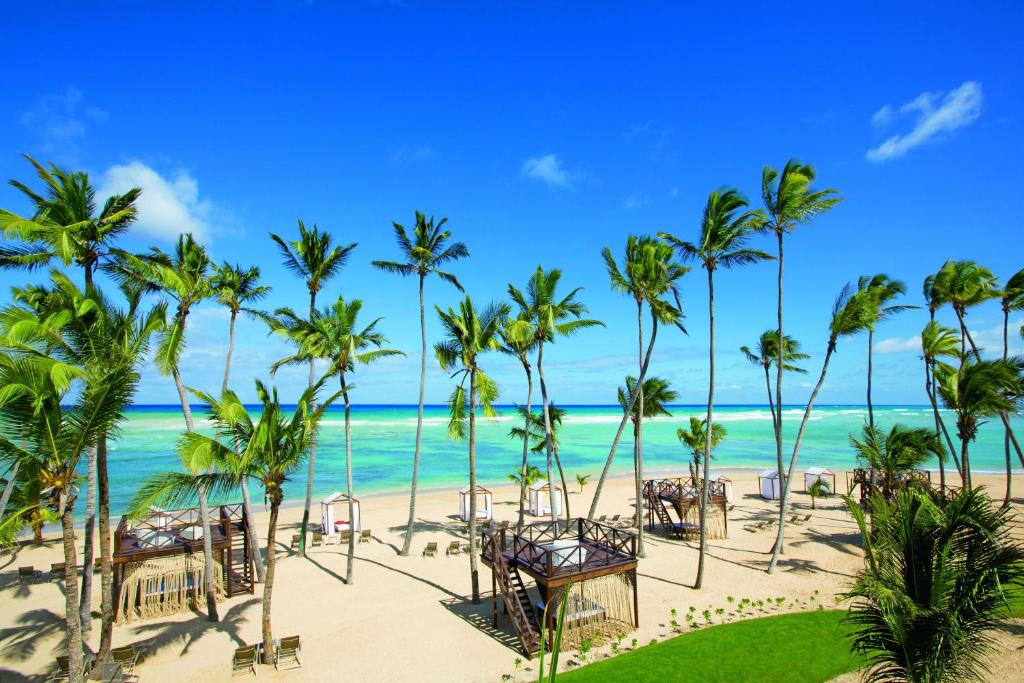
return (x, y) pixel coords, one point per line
(335, 335)
(267, 451)
(648, 275)
(652, 400)
(939, 342)
(1012, 300)
(518, 339)
(764, 355)
(881, 291)
(696, 440)
(64, 225)
(896, 453)
(553, 316)
(979, 389)
(183, 278)
(468, 334)
(934, 585)
(789, 201)
(724, 232)
(534, 432)
(849, 317)
(423, 254)
(235, 287)
(314, 260)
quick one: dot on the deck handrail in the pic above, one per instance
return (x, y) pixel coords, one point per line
(532, 547)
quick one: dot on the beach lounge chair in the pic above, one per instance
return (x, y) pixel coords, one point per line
(244, 661)
(97, 564)
(58, 571)
(806, 519)
(295, 541)
(364, 536)
(453, 548)
(289, 651)
(430, 550)
(63, 671)
(730, 508)
(318, 539)
(602, 519)
(344, 535)
(127, 657)
(615, 520)
(28, 575)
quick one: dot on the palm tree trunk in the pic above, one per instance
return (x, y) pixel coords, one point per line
(779, 363)
(411, 527)
(231, 350)
(268, 584)
(965, 459)
(85, 606)
(250, 525)
(771, 405)
(548, 444)
(638, 441)
(928, 391)
(12, 479)
(626, 415)
(871, 408)
(707, 432)
(939, 422)
(106, 568)
(71, 609)
(474, 572)
(784, 501)
(1006, 430)
(312, 451)
(348, 482)
(526, 444)
(565, 484)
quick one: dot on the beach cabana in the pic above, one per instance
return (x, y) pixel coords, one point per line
(823, 474)
(542, 501)
(726, 483)
(484, 499)
(672, 499)
(769, 484)
(334, 514)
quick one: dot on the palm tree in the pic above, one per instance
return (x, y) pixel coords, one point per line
(897, 453)
(880, 290)
(789, 202)
(1011, 300)
(695, 439)
(314, 260)
(335, 335)
(424, 255)
(582, 480)
(934, 585)
(765, 354)
(818, 489)
(979, 389)
(724, 233)
(469, 333)
(534, 431)
(648, 274)
(553, 316)
(849, 317)
(938, 342)
(526, 477)
(64, 225)
(518, 338)
(268, 451)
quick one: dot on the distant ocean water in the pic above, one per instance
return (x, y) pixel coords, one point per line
(383, 439)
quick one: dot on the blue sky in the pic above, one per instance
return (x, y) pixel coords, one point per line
(543, 133)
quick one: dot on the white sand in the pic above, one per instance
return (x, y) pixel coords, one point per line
(409, 618)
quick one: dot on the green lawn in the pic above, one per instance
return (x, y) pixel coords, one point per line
(803, 646)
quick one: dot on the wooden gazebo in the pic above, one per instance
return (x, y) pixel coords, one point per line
(681, 496)
(870, 481)
(159, 566)
(589, 566)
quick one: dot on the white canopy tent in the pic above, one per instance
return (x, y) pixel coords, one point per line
(769, 483)
(541, 502)
(721, 478)
(484, 500)
(334, 514)
(823, 474)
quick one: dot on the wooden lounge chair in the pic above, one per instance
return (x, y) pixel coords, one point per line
(318, 539)
(97, 564)
(614, 521)
(730, 508)
(63, 671)
(806, 519)
(344, 535)
(28, 575)
(289, 651)
(430, 550)
(295, 541)
(243, 661)
(602, 519)
(453, 548)
(127, 657)
(58, 571)
(364, 536)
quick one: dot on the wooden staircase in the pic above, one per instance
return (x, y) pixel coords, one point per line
(658, 506)
(238, 565)
(517, 604)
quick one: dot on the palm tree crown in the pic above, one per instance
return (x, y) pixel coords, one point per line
(550, 315)
(426, 251)
(724, 232)
(788, 197)
(765, 353)
(657, 395)
(236, 286)
(648, 274)
(311, 257)
(896, 453)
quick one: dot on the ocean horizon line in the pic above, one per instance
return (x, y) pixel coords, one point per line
(565, 405)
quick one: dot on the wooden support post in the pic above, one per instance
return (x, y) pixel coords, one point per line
(636, 601)
(494, 599)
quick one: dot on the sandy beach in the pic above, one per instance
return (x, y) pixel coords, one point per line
(409, 618)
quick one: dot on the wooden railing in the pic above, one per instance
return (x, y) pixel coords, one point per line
(604, 546)
(682, 488)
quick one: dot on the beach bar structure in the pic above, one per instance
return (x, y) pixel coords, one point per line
(484, 503)
(589, 566)
(870, 481)
(769, 484)
(674, 503)
(822, 474)
(542, 500)
(158, 561)
(334, 514)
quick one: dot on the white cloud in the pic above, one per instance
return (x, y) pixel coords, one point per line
(168, 206)
(405, 155)
(897, 345)
(935, 113)
(990, 340)
(547, 169)
(60, 120)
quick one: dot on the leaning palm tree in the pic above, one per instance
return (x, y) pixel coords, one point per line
(976, 390)
(267, 451)
(65, 225)
(1012, 299)
(335, 335)
(724, 232)
(849, 317)
(314, 260)
(938, 342)
(789, 201)
(880, 290)
(934, 586)
(553, 316)
(468, 334)
(424, 254)
(696, 441)
(648, 274)
(764, 355)
(518, 339)
(895, 454)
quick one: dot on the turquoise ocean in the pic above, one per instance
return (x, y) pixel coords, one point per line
(383, 439)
